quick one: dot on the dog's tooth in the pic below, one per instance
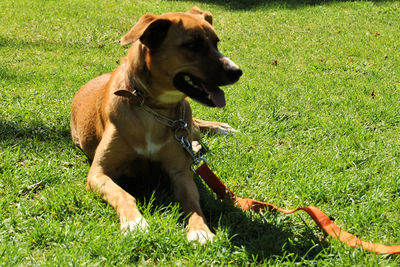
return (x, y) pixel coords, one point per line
(190, 81)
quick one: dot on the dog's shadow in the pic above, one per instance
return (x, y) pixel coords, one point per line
(250, 4)
(263, 236)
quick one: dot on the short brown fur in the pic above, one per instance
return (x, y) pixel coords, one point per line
(114, 130)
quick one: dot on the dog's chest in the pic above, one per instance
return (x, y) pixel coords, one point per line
(150, 148)
(149, 137)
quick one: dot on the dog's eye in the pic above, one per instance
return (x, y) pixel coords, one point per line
(195, 44)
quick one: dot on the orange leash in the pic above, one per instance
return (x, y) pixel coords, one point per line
(317, 215)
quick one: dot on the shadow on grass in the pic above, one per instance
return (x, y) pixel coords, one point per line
(262, 236)
(251, 4)
(56, 45)
(37, 130)
(267, 236)
(21, 79)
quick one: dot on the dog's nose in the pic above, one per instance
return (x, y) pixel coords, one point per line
(232, 71)
(234, 74)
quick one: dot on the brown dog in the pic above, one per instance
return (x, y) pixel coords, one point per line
(140, 111)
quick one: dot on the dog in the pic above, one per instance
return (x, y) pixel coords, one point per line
(141, 111)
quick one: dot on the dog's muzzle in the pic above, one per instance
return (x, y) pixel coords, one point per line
(195, 88)
(208, 93)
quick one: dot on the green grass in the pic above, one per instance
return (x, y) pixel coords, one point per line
(310, 134)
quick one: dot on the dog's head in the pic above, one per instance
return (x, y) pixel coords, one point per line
(181, 57)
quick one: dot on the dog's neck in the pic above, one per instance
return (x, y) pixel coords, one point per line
(138, 90)
(142, 96)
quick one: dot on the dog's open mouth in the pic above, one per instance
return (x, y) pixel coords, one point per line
(195, 88)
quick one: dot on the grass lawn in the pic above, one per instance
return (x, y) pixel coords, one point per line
(318, 114)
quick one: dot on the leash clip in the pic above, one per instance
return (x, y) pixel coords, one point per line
(187, 145)
(197, 162)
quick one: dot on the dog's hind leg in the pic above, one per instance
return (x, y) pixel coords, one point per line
(110, 155)
(213, 127)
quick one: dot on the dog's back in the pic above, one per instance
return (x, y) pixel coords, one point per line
(86, 103)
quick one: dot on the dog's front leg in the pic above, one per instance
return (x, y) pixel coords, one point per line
(110, 155)
(187, 194)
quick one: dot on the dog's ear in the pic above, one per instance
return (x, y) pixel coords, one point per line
(206, 15)
(137, 30)
(150, 29)
(155, 33)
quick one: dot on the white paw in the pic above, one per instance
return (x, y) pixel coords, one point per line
(200, 236)
(140, 224)
(196, 146)
(225, 129)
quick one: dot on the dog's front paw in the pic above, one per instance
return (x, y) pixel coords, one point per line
(225, 129)
(140, 224)
(200, 236)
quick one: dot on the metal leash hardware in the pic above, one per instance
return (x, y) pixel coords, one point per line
(139, 93)
(182, 136)
(181, 131)
(165, 120)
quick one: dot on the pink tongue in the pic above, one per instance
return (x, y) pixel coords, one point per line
(218, 98)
